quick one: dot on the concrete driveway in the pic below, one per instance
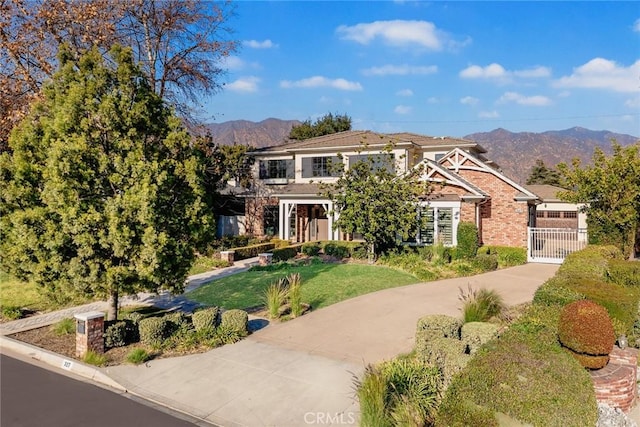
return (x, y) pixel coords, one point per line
(301, 372)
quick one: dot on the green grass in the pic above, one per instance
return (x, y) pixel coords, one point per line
(203, 264)
(15, 293)
(322, 284)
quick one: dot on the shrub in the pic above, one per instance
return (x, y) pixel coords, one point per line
(252, 250)
(284, 254)
(134, 317)
(311, 249)
(225, 334)
(398, 392)
(95, 359)
(236, 321)
(205, 318)
(480, 305)
(178, 322)
(449, 355)
(467, 240)
(485, 262)
(590, 262)
(440, 326)
(359, 252)
(65, 327)
(138, 356)
(586, 329)
(275, 296)
(551, 293)
(411, 262)
(294, 294)
(116, 335)
(153, 330)
(624, 273)
(475, 334)
(529, 379)
(507, 256)
(336, 250)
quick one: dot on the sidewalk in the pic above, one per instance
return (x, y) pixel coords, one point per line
(163, 300)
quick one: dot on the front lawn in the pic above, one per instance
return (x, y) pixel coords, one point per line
(322, 284)
(17, 294)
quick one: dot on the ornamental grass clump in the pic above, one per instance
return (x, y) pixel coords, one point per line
(275, 297)
(586, 331)
(480, 305)
(295, 294)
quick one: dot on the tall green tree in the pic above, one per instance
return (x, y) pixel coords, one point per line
(611, 189)
(325, 125)
(371, 198)
(541, 174)
(102, 193)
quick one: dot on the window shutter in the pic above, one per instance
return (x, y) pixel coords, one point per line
(307, 167)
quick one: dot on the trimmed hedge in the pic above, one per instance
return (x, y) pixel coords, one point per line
(253, 250)
(337, 250)
(467, 240)
(285, 253)
(205, 319)
(311, 249)
(153, 330)
(236, 321)
(527, 376)
(625, 273)
(476, 334)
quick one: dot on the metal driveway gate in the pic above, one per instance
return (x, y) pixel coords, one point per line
(552, 245)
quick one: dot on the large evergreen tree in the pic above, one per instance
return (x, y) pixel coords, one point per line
(611, 189)
(102, 194)
(541, 174)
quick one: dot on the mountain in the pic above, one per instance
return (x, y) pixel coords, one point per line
(516, 153)
(266, 133)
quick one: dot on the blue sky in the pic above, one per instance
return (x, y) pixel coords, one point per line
(437, 68)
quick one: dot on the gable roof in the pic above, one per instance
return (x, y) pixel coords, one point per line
(433, 168)
(458, 159)
(547, 193)
(444, 142)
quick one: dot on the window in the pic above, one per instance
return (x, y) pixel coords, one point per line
(378, 161)
(274, 169)
(437, 226)
(539, 214)
(321, 166)
(553, 214)
(271, 220)
(570, 214)
(439, 156)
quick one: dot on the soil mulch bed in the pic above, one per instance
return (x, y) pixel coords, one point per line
(65, 345)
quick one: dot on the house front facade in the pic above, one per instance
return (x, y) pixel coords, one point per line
(466, 186)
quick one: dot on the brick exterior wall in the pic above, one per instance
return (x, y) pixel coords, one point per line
(615, 384)
(254, 214)
(503, 220)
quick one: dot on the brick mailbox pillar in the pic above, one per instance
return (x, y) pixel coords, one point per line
(89, 332)
(228, 256)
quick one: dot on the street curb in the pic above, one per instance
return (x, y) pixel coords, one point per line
(72, 365)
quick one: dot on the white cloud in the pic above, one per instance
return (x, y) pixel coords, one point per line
(433, 100)
(244, 84)
(498, 73)
(396, 33)
(320, 81)
(535, 72)
(402, 109)
(469, 100)
(255, 44)
(405, 92)
(636, 26)
(600, 73)
(400, 70)
(234, 63)
(534, 101)
(564, 94)
(633, 102)
(488, 114)
(491, 71)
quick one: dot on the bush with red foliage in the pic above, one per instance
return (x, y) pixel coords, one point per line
(586, 330)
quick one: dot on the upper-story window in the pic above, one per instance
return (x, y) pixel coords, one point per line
(385, 160)
(274, 169)
(321, 166)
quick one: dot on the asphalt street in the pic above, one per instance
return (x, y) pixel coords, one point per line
(32, 396)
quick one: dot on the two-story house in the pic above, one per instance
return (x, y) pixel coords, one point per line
(286, 201)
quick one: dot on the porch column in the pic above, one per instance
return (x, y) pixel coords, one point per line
(282, 232)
